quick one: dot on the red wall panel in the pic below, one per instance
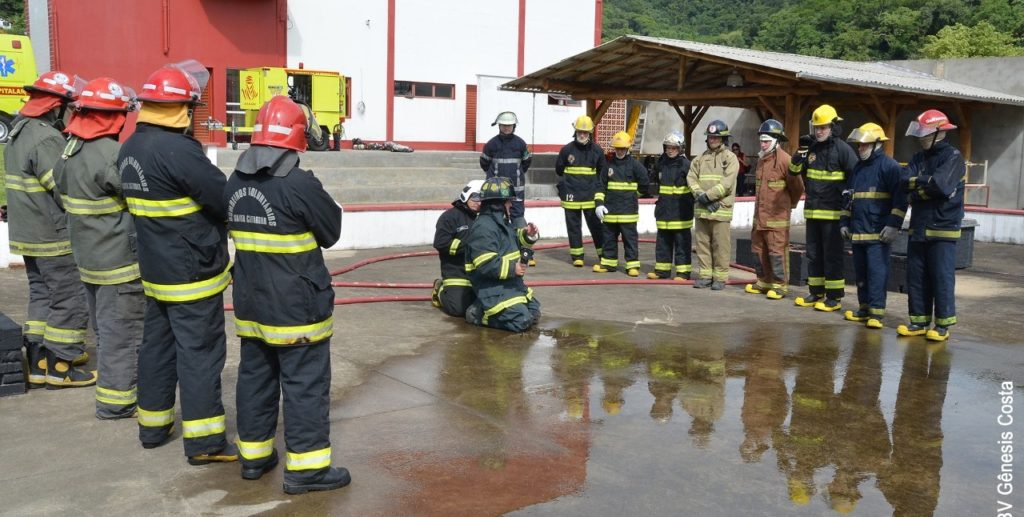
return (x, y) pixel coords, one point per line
(127, 40)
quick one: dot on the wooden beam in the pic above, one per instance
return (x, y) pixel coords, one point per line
(681, 81)
(751, 76)
(792, 122)
(770, 106)
(965, 130)
(675, 106)
(889, 127)
(687, 128)
(882, 112)
(591, 107)
(689, 96)
(601, 110)
(716, 59)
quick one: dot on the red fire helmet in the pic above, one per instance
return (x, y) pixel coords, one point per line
(280, 123)
(105, 94)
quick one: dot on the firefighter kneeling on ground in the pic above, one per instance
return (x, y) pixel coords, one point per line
(877, 207)
(618, 208)
(279, 217)
(778, 193)
(935, 179)
(496, 256)
(453, 292)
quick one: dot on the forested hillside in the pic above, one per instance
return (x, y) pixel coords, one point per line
(844, 29)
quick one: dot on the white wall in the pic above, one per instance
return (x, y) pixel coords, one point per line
(539, 123)
(351, 38)
(555, 30)
(442, 41)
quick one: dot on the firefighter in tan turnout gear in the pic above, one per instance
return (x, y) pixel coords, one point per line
(280, 216)
(712, 178)
(54, 330)
(176, 197)
(778, 193)
(103, 240)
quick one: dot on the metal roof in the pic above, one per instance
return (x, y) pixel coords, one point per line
(656, 59)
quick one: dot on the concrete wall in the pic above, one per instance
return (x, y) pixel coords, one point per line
(998, 133)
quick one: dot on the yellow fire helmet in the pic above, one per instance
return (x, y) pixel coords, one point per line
(824, 116)
(867, 134)
(621, 140)
(583, 123)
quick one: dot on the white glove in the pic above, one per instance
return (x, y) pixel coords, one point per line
(844, 232)
(888, 234)
(601, 211)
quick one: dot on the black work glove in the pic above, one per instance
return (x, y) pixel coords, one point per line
(703, 199)
(713, 207)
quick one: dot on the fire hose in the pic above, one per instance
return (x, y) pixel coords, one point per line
(537, 283)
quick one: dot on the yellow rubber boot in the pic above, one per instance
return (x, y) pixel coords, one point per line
(937, 334)
(752, 289)
(911, 330)
(634, 272)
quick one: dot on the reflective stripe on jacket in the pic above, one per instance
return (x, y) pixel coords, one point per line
(37, 221)
(450, 239)
(826, 172)
(282, 290)
(493, 248)
(579, 168)
(623, 180)
(176, 197)
(878, 200)
(102, 230)
(714, 173)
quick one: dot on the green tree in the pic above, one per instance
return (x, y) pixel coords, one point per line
(958, 41)
(13, 11)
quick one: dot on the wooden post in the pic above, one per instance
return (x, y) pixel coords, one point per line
(889, 147)
(688, 127)
(792, 123)
(601, 110)
(965, 130)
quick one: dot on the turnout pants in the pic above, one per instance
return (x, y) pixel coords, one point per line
(117, 313)
(931, 278)
(714, 249)
(871, 264)
(673, 245)
(825, 259)
(610, 251)
(183, 345)
(57, 313)
(456, 295)
(303, 375)
(515, 318)
(574, 226)
(771, 247)
(518, 211)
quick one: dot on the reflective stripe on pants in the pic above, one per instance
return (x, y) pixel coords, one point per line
(117, 313)
(57, 296)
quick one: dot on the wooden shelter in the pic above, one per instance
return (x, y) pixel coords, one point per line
(694, 76)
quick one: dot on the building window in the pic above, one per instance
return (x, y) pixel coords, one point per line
(411, 89)
(557, 99)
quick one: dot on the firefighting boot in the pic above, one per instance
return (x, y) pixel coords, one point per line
(332, 478)
(254, 473)
(937, 334)
(911, 330)
(701, 283)
(226, 455)
(829, 305)
(861, 315)
(36, 365)
(752, 289)
(809, 301)
(774, 294)
(633, 272)
(873, 323)
(598, 268)
(435, 299)
(577, 262)
(717, 285)
(654, 276)
(61, 373)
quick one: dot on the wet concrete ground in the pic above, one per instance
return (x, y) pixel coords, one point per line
(645, 400)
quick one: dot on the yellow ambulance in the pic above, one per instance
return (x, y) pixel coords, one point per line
(17, 68)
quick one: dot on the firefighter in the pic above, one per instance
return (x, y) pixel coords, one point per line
(496, 257)
(279, 217)
(825, 162)
(712, 178)
(777, 194)
(878, 205)
(579, 166)
(673, 212)
(453, 292)
(617, 206)
(934, 179)
(54, 331)
(103, 240)
(507, 156)
(176, 197)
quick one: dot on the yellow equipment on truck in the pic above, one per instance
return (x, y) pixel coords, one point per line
(17, 68)
(321, 94)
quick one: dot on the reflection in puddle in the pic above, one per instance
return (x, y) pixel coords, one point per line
(598, 418)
